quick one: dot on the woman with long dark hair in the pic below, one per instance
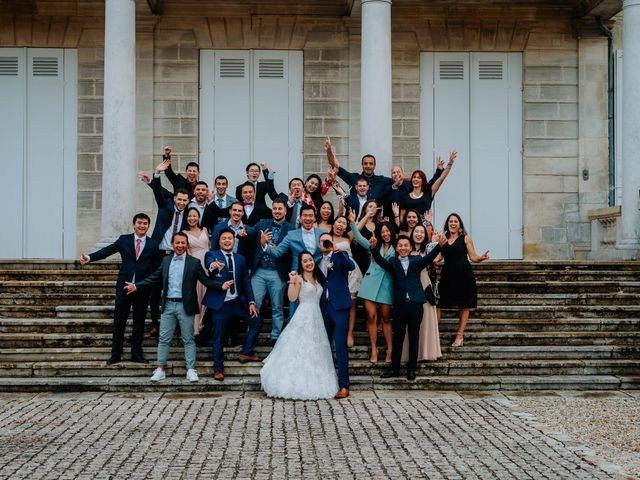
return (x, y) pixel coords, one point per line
(457, 285)
(376, 289)
(300, 366)
(325, 216)
(429, 338)
(199, 245)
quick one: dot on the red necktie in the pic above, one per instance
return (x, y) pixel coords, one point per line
(248, 204)
(175, 224)
(138, 241)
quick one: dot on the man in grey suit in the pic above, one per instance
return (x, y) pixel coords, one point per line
(178, 274)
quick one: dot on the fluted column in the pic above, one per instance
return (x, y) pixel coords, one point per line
(119, 134)
(375, 83)
(631, 125)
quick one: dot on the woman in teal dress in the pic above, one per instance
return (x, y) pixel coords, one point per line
(376, 288)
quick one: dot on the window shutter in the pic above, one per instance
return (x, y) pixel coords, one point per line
(451, 70)
(9, 66)
(232, 68)
(490, 70)
(271, 68)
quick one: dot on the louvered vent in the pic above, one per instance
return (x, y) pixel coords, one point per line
(451, 70)
(271, 68)
(45, 66)
(9, 66)
(490, 70)
(232, 68)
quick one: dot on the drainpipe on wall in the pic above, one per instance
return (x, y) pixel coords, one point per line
(611, 109)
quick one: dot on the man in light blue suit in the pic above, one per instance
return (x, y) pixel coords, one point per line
(303, 239)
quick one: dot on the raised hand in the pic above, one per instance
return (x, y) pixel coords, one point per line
(241, 233)
(227, 285)
(373, 241)
(327, 145)
(167, 153)
(84, 259)
(209, 195)
(438, 237)
(263, 166)
(395, 208)
(439, 163)
(453, 155)
(144, 177)
(428, 217)
(352, 216)
(129, 287)
(163, 166)
(294, 277)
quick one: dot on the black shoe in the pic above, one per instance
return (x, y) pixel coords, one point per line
(273, 342)
(411, 374)
(113, 360)
(390, 373)
(138, 359)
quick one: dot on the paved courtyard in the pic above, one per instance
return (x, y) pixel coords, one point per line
(371, 435)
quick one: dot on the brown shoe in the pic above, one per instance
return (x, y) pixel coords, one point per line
(342, 393)
(219, 376)
(248, 358)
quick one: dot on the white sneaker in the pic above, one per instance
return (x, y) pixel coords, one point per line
(192, 375)
(158, 375)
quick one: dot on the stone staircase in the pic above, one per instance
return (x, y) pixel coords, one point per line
(539, 326)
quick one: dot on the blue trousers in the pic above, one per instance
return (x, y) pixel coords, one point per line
(234, 310)
(263, 281)
(337, 322)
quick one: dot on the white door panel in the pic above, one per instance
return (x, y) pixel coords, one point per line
(251, 111)
(12, 98)
(472, 102)
(451, 127)
(45, 154)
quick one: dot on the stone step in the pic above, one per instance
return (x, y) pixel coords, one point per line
(447, 325)
(359, 352)
(364, 382)
(624, 338)
(356, 367)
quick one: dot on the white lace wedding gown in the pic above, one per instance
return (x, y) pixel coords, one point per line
(300, 366)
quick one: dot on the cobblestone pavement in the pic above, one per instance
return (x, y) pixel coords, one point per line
(371, 435)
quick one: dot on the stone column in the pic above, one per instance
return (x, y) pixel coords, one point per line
(375, 83)
(631, 126)
(119, 134)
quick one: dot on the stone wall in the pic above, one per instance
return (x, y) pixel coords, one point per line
(564, 94)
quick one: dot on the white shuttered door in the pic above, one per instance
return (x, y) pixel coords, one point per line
(472, 102)
(37, 138)
(251, 111)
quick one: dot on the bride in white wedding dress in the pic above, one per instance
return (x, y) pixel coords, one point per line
(300, 366)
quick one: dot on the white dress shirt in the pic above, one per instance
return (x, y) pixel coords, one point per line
(166, 240)
(361, 201)
(309, 239)
(176, 272)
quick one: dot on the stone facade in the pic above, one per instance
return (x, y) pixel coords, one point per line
(564, 94)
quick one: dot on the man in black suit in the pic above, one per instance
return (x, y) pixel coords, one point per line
(253, 211)
(408, 299)
(262, 189)
(140, 256)
(178, 274)
(192, 172)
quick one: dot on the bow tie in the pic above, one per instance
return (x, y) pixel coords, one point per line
(248, 204)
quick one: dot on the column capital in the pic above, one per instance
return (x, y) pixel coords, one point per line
(628, 3)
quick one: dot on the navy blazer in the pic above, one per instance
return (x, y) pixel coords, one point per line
(166, 211)
(192, 273)
(283, 264)
(215, 237)
(406, 283)
(337, 282)
(214, 299)
(141, 267)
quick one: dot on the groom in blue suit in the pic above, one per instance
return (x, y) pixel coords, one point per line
(235, 303)
(303, 239)
(335, 265)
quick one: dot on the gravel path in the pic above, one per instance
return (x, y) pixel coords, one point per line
(608, 423)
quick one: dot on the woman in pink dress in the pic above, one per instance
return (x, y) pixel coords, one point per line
(198, 247)
(429, 344)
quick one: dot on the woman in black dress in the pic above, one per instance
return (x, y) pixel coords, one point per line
(457, 284)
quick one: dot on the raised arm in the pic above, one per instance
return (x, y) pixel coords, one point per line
(103, 252)
(295, 283)
(375, 253)
(453, 155)
(268, 178)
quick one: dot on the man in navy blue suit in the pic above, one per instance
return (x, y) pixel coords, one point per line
(408, 299)
(336, 303)
(140, 257)
(234, 304)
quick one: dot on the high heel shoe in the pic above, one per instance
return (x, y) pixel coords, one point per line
(458, 341)
(374, 356)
